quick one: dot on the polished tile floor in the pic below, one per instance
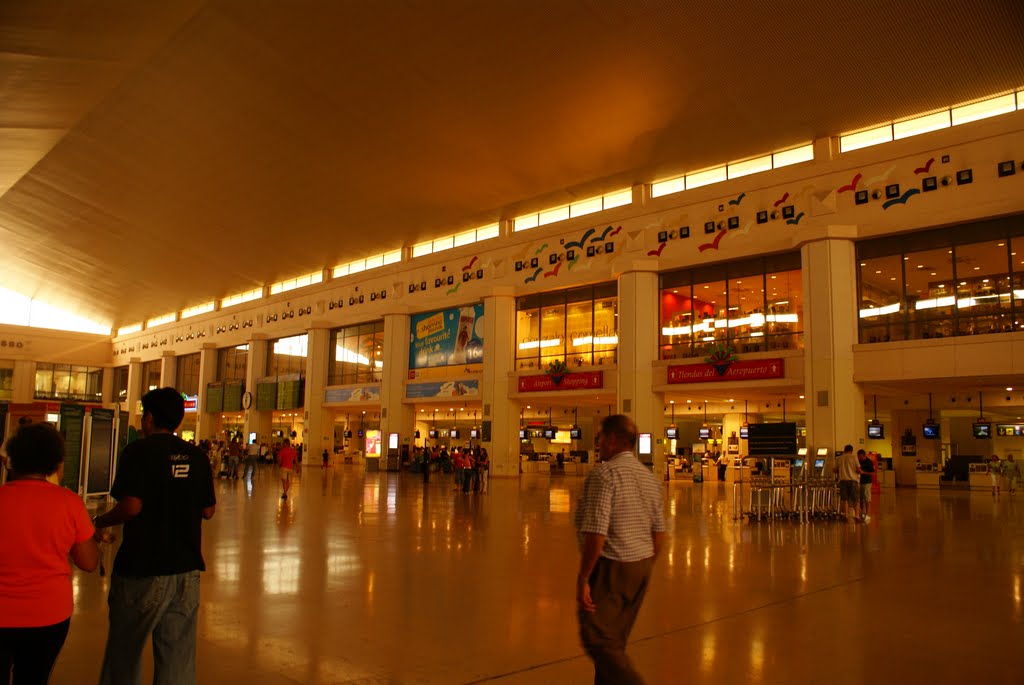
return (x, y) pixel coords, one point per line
(376, 578)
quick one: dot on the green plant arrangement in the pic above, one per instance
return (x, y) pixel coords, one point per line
(721, 357)
(558, 370)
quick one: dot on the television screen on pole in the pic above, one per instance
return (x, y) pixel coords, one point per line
(930, 431)
(671, 433)
(575, 433)
(982, 430)
(876, 431)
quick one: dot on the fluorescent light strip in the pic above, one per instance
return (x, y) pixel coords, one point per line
(534, 344)
(990, 107)
(776, 160)
(591, 205)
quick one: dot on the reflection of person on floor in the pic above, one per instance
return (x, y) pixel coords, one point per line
(561, 461)
(621, 527)
(251, 455)
(723, 464)
(483, 465)
(286, 460)
(995, 469)
(324, 457)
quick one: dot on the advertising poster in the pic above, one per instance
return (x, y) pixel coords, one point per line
(101, 444)
(450, 337)
(72, 423)
(464, 388)
(368, 393)
(373, 443)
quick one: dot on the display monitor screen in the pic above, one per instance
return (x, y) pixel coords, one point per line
(744, 432)
(802, 451)
(644, 444)
(822, 452)
(432, 433)
(575, 434)
(930, 431)
(983, 430)
(798, 463)
(819, 463)
(348, 434)
(876, 431)
(392, 441)
(550, 433)
(671, 433)
(474, 434)
(360, 433)
(704, 433)
(522, 434)
(454, 433)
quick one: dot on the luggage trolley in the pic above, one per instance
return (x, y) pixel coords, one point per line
(823, 489)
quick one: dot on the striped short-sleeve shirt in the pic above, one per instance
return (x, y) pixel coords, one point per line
(622, 500)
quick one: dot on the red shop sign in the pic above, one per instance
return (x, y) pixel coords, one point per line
(737, 371)
(580, 380)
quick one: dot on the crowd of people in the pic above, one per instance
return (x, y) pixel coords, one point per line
(468, 465)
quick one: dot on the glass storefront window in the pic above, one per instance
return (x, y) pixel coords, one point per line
(121, 384)
(6, 384)
(881, 299)
(151, 375)
(68, 382)
(187, 374)
(358, 354)
(933, 285)
(578, 326)
(755, 308)
(983, 292)
(232, 363)
(287, 356)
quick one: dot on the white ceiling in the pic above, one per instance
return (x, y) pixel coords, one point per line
(155, 155)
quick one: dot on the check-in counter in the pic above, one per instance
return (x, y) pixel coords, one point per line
(570, 468)
(530, 466)
(978, 475)
(543, 466)
(734, 474)
(928, 476)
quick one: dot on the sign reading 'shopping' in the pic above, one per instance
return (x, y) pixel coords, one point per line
(450, 337)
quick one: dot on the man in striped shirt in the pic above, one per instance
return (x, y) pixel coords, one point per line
(621, 526)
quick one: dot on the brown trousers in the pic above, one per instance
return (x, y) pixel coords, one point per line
(617, 589)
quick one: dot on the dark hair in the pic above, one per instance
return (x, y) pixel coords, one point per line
(36, 448)
(861, 453)
(166, 406)
(621, 427)
(848, 448)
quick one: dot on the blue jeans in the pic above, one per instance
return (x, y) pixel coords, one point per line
(165, 607)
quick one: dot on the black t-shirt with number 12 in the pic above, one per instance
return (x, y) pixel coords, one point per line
(174, 482)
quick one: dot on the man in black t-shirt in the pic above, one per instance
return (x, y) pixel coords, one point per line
(164, 491)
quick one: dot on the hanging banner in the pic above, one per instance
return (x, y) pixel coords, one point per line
(450, 337)
(466, 388)
(753, 370)
(578, 380)
(72, 420)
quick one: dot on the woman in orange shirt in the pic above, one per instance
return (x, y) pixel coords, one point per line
(46, 524)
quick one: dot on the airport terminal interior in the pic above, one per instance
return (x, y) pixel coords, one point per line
(389, 231)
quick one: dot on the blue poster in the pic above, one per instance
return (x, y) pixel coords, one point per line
(450, 337)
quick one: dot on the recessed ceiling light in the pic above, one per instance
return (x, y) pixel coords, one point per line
(801, 396)
(1009, 390)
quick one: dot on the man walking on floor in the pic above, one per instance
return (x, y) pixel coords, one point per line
(164, 491)
(621, 526)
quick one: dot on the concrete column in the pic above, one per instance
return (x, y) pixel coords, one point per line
(638, 350)
(835, 404)
(168, 370)
(23, 384)
(500, 412)
(206, 423)
(396, 416)
(134, 392)
(318, 434)
(258, 422)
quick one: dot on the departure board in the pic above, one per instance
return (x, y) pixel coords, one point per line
(289, 394)
(266, 396)
(214, 398)
(233, 396)
(772, 440)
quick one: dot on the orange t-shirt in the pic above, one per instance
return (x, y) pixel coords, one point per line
(42, 522)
